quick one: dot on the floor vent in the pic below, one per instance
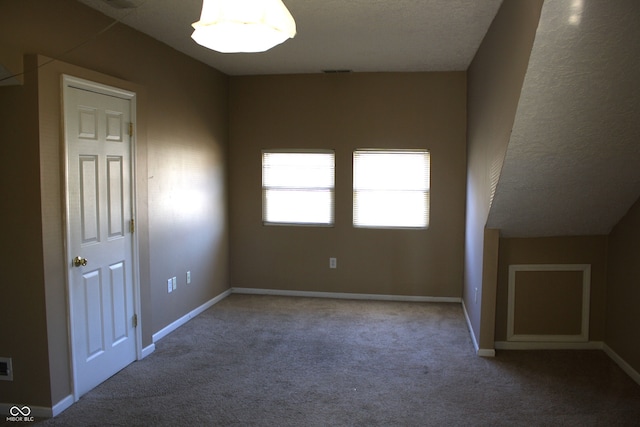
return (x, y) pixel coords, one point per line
(6, 373)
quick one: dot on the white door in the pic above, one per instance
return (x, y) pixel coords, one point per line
(100, 243)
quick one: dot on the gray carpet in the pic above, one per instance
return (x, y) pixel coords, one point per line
(279, 361)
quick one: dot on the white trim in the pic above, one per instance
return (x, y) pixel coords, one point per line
(79, 83)
(148, 350)
(133, 147)
(635, 375)
(68, 82)
(59, 407)
(35, 411)
(340, 295)
(583, 336)
(184, 319)
(39, 411)
(473, 335)
(482, 352)
(548, 345)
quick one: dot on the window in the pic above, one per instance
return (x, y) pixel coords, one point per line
(298, 187)
(391, 188)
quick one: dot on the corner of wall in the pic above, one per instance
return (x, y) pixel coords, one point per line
(490, 255)
(494, 81)
(623, 294)
(11, 67)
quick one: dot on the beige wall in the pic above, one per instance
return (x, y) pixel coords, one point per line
(548, 302)
(24, 334)
(181, 181)
(555, 250)
(345, 112)
(623, 289)
(495, 79)
(183, 126)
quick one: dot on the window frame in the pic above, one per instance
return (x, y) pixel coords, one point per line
(265, 189)
(426, 191)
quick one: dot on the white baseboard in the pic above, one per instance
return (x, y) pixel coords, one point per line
(184, 319)
(341, 295)
(635, 375)
(62, 405)
(147, 351)
(535, 345)
(45, 412)
(486, 352)
(473, 336)
(482, 352)
(35, 411)
(589, 345)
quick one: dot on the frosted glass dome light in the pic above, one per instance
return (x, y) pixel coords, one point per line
(232, 26)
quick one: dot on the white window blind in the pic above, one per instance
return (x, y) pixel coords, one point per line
(391, 188)
(298, 187)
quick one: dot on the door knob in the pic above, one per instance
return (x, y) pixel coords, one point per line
(79, 261)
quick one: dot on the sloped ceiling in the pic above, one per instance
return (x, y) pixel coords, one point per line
(358, 35)
(572, 166)
(7, 78)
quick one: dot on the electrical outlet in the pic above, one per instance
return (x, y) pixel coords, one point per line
(175, 283)
(188, 277)
(6, 370)
(333, 262)
(169, 285)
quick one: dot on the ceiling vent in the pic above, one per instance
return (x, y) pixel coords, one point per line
(124, 4)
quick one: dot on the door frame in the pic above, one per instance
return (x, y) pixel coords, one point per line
(70, 82)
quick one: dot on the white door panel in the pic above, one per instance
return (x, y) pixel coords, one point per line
(99, 211)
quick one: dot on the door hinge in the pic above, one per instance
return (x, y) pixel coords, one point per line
(132, 226)
(130, 129)
(135, 320)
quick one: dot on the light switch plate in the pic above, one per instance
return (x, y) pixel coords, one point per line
(170, 285)
(175, 283)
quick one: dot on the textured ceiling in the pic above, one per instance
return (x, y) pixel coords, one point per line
(573, 163)
(358, 35)
(572, 166)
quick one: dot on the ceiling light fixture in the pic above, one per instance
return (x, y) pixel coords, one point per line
(232, 26)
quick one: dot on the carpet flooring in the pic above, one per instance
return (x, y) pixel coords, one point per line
(284, 361)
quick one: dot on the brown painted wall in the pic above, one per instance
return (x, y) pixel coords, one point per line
(181, 179)
(623, 291)
(495, 80)
(555, 250)
(24, 335)
(345, 112)
(548, 302)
